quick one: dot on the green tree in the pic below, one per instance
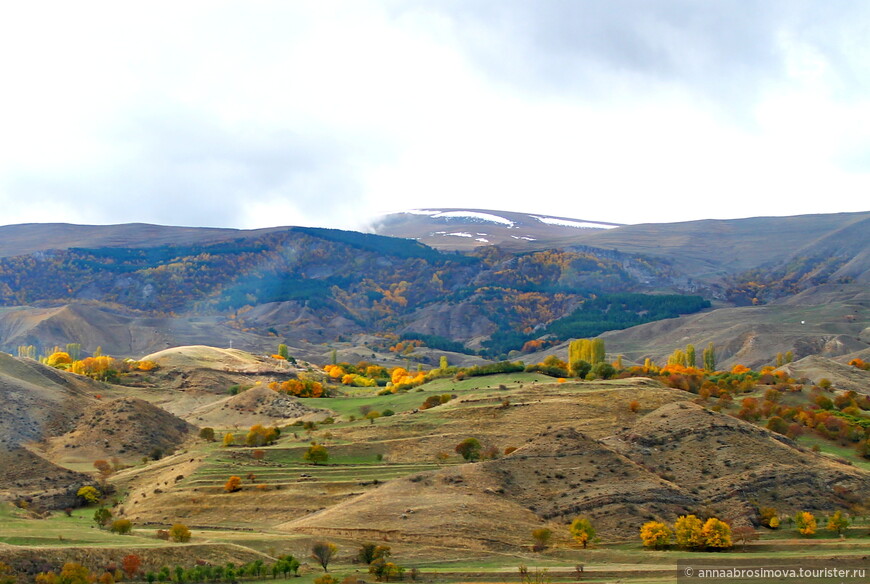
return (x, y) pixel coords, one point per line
(316, 453)
(580, 368)
(323, 552)
(709, 357)
(207, 434)
(102, 517)
(469, 449)
(691, 361)
(582, 531)
(283, 351)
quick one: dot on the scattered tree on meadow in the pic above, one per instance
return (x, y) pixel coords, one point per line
(838, 522)
(229, 439)
(322, 552)
(102, 517)
(805, 523)
(316, 453)
(582, 531)
(121, 526)
(744, 534)
(369, 552)
(469, 449)
(233, 484)
(179, 533)
(207, 434)
(542, 537)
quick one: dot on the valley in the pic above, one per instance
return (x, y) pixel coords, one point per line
(274, 389)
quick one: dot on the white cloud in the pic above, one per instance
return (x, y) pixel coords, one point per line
(255, 114)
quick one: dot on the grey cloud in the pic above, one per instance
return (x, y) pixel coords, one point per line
(726, 50)
(187, 169)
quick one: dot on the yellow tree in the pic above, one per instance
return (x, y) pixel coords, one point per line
(688, 532)
(582, 531)
(716, 534)
(805, 523)
(655, 535)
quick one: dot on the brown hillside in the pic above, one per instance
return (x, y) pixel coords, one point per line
(29, 477)
(733, 465)
(561, 474)
(258, 405)
(127, 428)
(750, 335)
(39, 401)
(843, 377)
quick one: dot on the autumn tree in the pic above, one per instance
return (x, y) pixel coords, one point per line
(838, 522)
(233, 484)
(229, 439)
(369, 552)
(744, 534)
(582, 531)
(179, 533)
(542, 537)
(121, 526)
(716, 534)
(469, 449)
(322, 552)
(7, 574)
(131, 563)
(805, 523)
(687, 531)
(316, 453)
(655, 534)
(89, 494)
(103, 467)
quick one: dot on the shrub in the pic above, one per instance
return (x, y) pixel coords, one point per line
(121, 526)
(179, 533)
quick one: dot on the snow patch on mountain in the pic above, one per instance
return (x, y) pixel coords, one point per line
(570, 223)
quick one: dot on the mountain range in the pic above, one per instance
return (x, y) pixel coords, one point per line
(464, 281)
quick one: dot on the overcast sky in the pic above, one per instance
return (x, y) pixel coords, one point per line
(254, 114)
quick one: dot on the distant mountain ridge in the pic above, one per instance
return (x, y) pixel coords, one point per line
(134, 289)
(466, 229)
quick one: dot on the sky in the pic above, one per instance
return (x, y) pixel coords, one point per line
(329, 113)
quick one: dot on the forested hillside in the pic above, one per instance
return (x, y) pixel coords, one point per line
(359, 282)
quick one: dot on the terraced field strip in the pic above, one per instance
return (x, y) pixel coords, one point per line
(217, 475)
